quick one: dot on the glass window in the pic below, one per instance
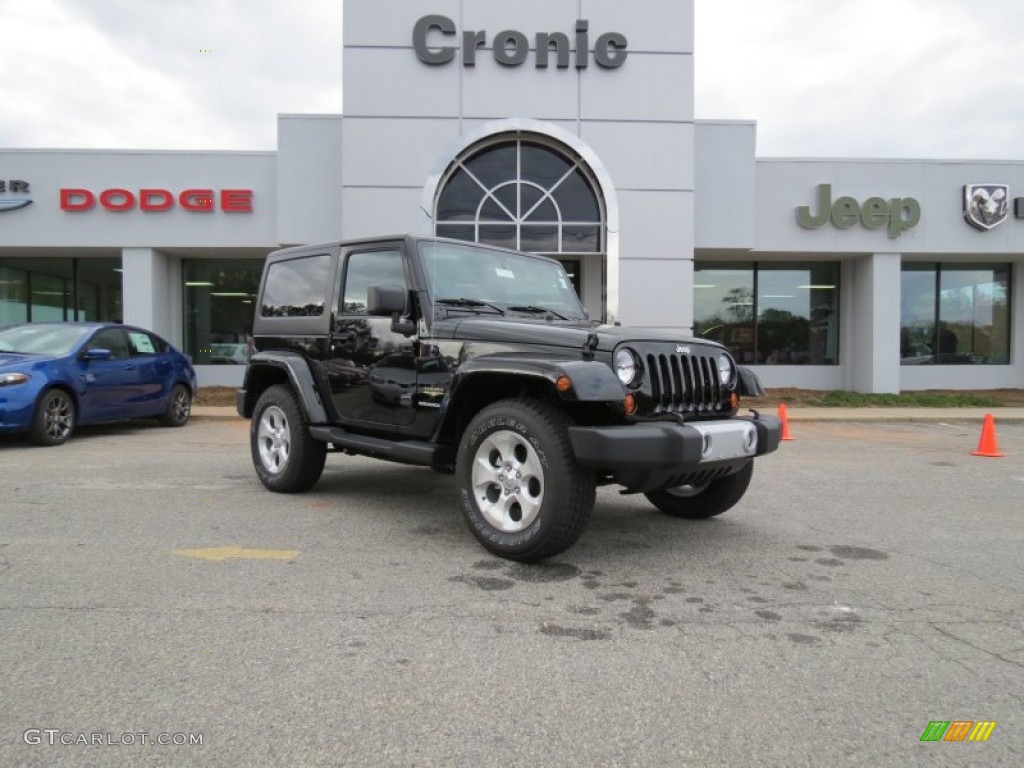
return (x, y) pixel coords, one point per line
(723, 308)
(13, 295)
(509, 279)
(955, 314)
(295, 288)
(143, 344)
(41, 289)
(113, 339)
(770, 313)
(219, 296)
(366, 269)
(523, 195)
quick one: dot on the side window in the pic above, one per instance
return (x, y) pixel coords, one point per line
(297, 287)
(142, 343)
(113, 339)
(369, 268)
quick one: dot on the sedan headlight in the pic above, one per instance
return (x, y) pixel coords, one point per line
(10, 379)
(726, 370)
(627, 366)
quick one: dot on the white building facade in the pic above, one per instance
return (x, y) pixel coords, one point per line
(564, 127)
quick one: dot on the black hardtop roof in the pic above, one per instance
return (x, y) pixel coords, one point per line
(312, 248)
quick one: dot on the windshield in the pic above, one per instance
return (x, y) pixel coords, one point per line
(42, 339)
(511, 280)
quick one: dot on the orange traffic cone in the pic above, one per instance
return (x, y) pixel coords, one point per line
(987, 445)
(784, 418)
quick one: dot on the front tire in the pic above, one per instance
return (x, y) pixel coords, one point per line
(54, 419)
(522, 493)
(179, 407)
(701, 502)
(287, 459)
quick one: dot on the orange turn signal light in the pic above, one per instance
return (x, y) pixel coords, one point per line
(734, 401)
(564, 384)
(629, 404)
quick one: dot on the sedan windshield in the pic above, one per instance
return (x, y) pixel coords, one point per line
(457, 274)
(42, 339)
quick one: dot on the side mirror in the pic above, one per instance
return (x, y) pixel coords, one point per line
(383, 300)
(97, 354)
(750, 384)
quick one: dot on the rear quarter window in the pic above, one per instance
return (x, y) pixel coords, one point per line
(297, 287)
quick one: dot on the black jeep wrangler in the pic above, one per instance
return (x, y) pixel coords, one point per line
(481, 362)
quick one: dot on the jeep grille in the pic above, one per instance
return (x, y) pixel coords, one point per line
(683, 383)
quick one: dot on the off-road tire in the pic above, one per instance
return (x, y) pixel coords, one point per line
(287, 459)
(699, 504)
(554, 496)
(179, 407)
(54, 418)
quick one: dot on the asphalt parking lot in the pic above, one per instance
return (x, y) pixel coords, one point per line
(868, 584)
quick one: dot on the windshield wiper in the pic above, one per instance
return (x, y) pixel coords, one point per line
(469, 304)
(539, 310)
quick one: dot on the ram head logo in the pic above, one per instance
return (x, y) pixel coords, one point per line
(986, 205)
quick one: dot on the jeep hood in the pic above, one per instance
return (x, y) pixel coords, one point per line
(514, 329)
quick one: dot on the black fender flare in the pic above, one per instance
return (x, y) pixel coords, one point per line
(297, 369)
(592, 381)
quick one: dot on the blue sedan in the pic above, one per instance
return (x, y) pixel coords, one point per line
(57, 376)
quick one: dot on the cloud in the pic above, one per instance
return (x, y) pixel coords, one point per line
(844, 78)
(870, 78)
(204, 74)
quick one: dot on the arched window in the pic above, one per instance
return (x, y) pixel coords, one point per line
(527, 194)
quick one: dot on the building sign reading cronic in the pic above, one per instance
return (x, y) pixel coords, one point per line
(897, 214)
(511, 47)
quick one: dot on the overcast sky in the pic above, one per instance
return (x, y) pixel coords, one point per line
(822, 78)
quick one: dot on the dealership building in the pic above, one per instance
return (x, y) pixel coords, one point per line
(564, 127)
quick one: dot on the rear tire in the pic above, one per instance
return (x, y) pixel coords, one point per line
(700, 503)
(54, 419)
(179, 407)
(522, 493)
(287, 459)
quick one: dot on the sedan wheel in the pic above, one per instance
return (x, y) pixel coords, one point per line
(54, 418)
(179, 407)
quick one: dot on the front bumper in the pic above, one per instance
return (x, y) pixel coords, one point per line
(659, 454)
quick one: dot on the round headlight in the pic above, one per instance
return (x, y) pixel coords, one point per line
(726, 370)
(627, 366)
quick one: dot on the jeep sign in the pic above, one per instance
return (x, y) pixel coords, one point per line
(897, 215)
(511, 47)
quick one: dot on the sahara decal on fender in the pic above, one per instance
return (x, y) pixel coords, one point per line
(897, 215)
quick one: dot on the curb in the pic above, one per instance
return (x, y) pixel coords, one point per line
(1001, 415)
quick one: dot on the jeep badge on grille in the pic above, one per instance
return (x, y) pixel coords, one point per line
(681, 350)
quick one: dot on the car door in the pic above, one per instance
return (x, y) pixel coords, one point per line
(109, 385)
(154, 372)
(371, 370)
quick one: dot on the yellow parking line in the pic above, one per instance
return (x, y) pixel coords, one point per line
(218, 554)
